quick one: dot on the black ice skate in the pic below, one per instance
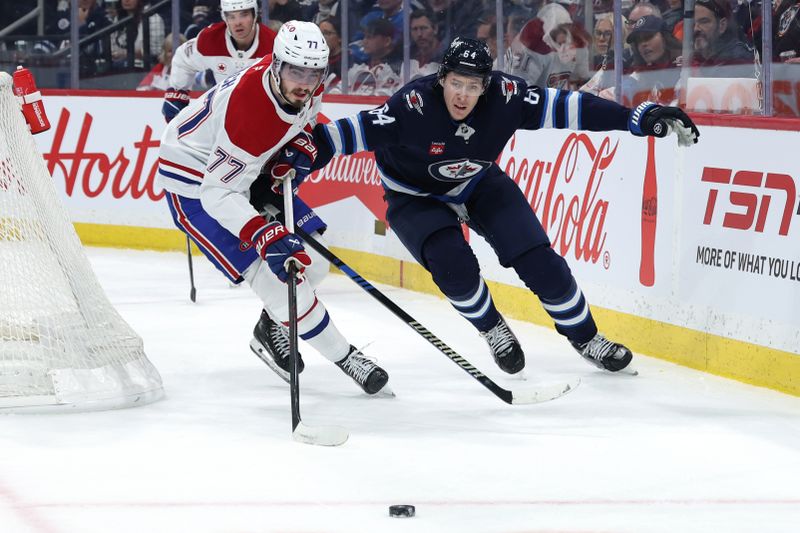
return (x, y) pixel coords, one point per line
(604, 354)
(369, 376)
(271, 344)
(505, 348)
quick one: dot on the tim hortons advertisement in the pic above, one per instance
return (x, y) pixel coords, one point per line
(647, 228)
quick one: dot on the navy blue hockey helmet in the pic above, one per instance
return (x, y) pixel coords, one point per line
(469, 57)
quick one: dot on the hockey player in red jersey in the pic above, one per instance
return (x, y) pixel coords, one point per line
(224, 48)
(254, 126)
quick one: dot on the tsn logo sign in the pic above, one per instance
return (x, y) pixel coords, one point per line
(750, 196)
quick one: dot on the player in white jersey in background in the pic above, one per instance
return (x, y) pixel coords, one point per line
(224, 48)
(254, 126)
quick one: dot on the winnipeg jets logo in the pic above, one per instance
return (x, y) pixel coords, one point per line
(509, 88)
(464, 131)
(457, 170)
(414, 101)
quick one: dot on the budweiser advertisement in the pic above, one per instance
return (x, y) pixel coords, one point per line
(703, 238)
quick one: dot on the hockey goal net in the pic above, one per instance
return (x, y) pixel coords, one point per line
(62, 344)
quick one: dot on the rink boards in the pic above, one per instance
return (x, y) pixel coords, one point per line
(689, 255)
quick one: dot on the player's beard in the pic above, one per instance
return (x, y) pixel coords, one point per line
(298, 98)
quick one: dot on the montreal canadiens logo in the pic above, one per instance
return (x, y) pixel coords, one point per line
(457, 169)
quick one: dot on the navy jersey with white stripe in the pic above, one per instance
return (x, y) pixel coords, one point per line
(420, 150)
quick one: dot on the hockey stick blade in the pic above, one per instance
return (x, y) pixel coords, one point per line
(543, 393)
(320, 435)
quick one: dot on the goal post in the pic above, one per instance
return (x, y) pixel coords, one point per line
(63, 346)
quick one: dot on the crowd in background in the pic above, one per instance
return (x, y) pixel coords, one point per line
(549, 43)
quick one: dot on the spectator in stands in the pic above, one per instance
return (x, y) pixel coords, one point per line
(654, 55)
(330, 30)
(326, 9)
(550, 51)
(653, 45)
(514, 25)
(487, 32)
(524, 8)
(91, 17)
(158, 77)
(379, 74)
(391, 10)
(427, 50)
(786, 31)
(120, 41)
(655, 62)
(715, 40)
(673, 14)
(640, 9)
(603, 43)
(286, 10)
(603, 54)
(455, 18)
(203, 14)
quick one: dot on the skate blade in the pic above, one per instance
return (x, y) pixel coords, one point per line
(255, 346)
(385, 392)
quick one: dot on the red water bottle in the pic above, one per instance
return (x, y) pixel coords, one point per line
(32, 105)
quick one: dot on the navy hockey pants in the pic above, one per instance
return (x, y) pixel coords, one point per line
(500, 213)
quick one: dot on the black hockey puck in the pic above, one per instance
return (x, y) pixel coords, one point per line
(402, 511)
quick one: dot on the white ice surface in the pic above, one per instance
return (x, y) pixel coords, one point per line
(672, 450)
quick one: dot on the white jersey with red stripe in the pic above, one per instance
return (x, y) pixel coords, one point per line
(215, 148)
(213, 49)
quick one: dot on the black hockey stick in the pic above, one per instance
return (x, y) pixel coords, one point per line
(192, 290)
(541, 394)
(319, 435)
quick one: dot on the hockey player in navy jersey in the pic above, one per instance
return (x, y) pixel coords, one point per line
(436, 142)
(253, 126)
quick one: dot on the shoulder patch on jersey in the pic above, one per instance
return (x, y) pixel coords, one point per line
(413, 101)
(251, 120)
(509, 88)
(211, 40)
(266, 40)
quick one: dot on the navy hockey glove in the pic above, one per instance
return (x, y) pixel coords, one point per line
(293, 162)
(659, 121)
(276, 246)
(174, 101)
